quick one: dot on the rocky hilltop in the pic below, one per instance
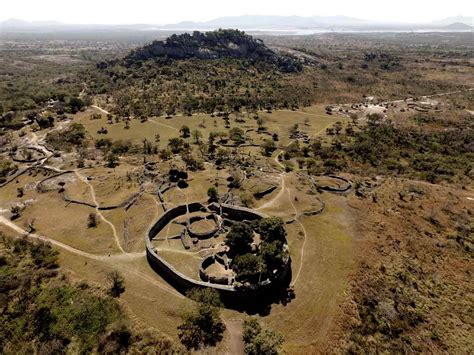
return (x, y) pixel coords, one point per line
(212, 45)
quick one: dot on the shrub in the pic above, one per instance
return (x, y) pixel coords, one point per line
(116, 284)
(91, 220)
(212, 194)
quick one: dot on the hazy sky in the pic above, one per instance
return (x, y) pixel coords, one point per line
(171, 11)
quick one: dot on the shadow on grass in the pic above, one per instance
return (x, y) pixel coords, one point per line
(249, 301)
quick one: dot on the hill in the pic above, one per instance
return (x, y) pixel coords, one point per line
(458, 26)
(224, 70)
(466, 20)
(212, 45)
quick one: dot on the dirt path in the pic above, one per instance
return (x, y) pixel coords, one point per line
(193, 254)
(70, 249)
(118, 261)
(164, 125)
(233, 342)
(100, 109)
(278, 161)
(295, 279)
(99, 213)
(280, 193)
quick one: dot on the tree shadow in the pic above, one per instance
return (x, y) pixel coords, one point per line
(249, 301)
(261, 301)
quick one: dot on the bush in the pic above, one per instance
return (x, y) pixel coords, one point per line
(212, 194)
(91, 220)
(116, 284)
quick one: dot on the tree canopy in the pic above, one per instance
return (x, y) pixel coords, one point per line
(239, 238)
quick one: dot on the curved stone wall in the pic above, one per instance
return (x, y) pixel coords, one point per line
(203, 235)
(184, 283)
(342, 189)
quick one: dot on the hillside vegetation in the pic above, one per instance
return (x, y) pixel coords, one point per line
(42, 312)
(225, 70)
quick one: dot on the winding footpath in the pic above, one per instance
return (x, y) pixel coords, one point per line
(99, 213)
(119, 261)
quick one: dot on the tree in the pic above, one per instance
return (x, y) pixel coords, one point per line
(164, 154)
(117, 284)
(294, 129)
(197, 135)
(248, 266)
(185, 131)
(237, 135)
(251, 329)
(92, 220)
(211, 142)
(176, 145)
(202, 325)
(260, 341)
(170, 111)
(75, 104)
(271, 228)
(16, 212)
(112, 160)
(239, 238)
(272, 253)
(354, 117)
(268, 147)
(374, 118)
(192, 162)
(212, 194)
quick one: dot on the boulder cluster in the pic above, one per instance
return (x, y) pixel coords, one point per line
(212, 45)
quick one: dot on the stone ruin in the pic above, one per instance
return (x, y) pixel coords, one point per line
(221, 215)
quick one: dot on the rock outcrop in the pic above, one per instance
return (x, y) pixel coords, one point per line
(212, 45)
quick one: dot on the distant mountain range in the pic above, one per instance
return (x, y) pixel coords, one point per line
(466, 20)
(275, 22)
(256, 23)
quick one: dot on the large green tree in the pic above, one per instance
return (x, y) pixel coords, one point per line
(260, 341)
(239, 238)
(248, 267)
(202, 326)
(271, 228)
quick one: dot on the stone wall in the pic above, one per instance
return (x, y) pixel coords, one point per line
(184, 283)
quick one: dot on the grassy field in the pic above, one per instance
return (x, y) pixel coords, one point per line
(313, 120)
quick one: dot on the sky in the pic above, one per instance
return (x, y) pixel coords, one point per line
(171, 11)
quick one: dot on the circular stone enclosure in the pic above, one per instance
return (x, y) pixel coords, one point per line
(214, 271)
